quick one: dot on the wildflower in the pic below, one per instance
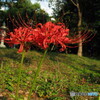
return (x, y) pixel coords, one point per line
(21, 36)
(44, 35)
(50, 33)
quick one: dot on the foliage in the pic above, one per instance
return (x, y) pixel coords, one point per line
(30, 13)
(59, 75)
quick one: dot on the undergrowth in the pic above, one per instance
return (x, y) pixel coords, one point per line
(60, 74)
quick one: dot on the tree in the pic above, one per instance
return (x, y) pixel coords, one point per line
(24, 13)
(70, 11)
(77, 4)
(4, 6)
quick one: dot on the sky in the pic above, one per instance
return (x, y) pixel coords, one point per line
(44, 5)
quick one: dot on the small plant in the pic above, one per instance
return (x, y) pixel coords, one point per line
(50, 87)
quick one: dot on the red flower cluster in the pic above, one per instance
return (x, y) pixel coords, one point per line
(49, 33)
(42, 36)
(22, 36)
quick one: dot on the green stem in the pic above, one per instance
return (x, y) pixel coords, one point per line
(19, 75)
(36, 75)
(1, 66)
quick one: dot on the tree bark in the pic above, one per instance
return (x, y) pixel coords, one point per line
(80, 46)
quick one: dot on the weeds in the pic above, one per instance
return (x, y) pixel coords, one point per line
(60, 74)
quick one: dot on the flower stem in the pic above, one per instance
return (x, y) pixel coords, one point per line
(36, 75)
(19, 76)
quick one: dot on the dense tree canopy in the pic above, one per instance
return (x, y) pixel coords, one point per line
(23, 10)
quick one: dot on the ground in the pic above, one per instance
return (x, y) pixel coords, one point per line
(60, 74)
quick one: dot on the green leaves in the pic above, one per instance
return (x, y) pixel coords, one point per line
(60, 74)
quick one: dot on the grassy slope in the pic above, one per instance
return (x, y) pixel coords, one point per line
(63, 73)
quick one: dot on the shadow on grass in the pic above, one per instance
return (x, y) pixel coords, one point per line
(13, 55)
(59, 57)
(3, 98)
(91, 75)
(93, 68)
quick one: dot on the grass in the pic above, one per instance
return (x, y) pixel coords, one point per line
(60, 74)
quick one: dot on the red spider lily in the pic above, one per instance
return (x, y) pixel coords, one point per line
(57, 34)
(22, 36)
(44, 35)
(51, 33)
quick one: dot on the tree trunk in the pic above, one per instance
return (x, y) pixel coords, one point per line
(79, 53)
(80, 47)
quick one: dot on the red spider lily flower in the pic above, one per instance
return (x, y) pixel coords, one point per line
(44, 35)
(51, 33)
(57, 34)
(22, 36)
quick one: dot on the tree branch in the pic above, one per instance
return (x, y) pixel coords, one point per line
(73, 2)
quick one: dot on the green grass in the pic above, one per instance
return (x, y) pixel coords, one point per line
(60, 74)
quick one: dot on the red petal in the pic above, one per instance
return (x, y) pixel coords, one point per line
(21, 48)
